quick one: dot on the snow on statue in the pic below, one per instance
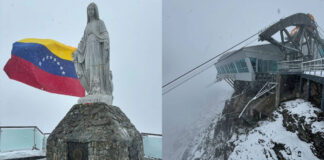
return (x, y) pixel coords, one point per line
(91, 60)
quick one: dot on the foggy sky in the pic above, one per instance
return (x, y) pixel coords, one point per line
(195, 31)
(134, 28)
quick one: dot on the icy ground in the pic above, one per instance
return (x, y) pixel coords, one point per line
(21, 154)
(259, 143)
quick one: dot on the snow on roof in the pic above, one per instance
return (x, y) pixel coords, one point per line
(263, 48)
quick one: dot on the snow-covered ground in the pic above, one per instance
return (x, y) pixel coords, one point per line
(21, 154)
(259, 142)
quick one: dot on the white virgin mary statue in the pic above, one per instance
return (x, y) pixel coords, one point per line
(91, 60)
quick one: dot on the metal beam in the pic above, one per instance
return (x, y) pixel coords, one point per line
(322, 100)
(298, 19)
(308, 90)
(278, 90)
(232, 85)
(268, 86)
(301, 85)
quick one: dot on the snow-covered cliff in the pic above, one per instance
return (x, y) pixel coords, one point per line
(295, 130)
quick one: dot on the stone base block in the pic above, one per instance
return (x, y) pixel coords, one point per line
(97, 98)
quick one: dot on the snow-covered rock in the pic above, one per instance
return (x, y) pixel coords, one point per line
(273, 140)
(295, 130)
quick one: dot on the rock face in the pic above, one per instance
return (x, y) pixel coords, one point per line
(226, 137)
(96, 132)
(282, 135)
(214, 145)
(304, 126)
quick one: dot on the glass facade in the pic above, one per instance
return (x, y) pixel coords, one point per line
(16, 139)
(321, 52)
(152, 146)
(258, 65)
(253, 63)
(232, 68)
(227, 69)
(39, 138)
(266, 66)
(241, 66)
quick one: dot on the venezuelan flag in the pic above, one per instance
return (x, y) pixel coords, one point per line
(45, 64)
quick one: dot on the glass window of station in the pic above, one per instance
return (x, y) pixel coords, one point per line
(240, 66)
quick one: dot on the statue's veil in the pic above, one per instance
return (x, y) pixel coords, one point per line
(96, 14)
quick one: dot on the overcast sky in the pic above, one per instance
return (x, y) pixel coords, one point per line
(135, 30)
(197, 30)
(193, 31)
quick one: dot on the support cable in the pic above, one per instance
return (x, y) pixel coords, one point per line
(199, 66)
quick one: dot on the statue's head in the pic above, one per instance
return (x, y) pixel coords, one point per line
(92, 11)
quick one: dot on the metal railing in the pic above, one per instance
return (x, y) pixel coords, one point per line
(290, 66)
(150, 134)
(313, 67)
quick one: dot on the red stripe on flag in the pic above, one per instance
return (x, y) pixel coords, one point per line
(26, 72)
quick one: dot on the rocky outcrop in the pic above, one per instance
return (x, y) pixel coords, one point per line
(96, 131)
(215, 146)
(294, 131)
(289, 133)
(229, 124)
(221, 138)
(302, 125)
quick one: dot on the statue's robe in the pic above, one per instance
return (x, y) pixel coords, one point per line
(92, 59)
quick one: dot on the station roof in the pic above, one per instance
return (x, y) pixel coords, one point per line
(268, 49)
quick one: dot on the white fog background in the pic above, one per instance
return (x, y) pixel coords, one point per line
(195, 31)
(135, 30)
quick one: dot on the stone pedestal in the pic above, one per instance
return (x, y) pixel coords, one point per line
(95, 132)
(96, 99)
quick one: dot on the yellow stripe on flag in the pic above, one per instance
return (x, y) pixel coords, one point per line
(61, 50)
